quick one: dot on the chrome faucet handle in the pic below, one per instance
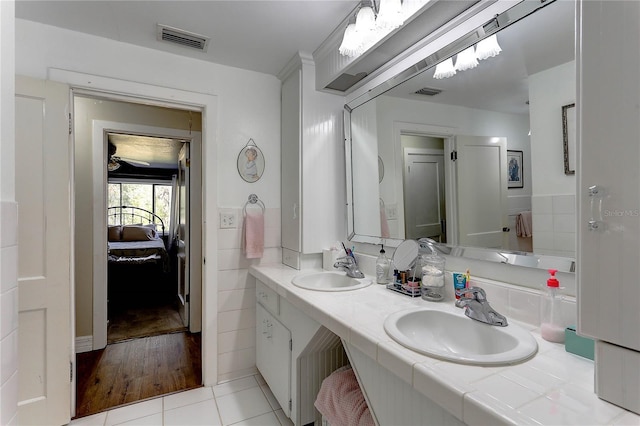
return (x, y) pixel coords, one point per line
(477, 293)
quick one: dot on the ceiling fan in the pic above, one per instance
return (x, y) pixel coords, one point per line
(114, 160)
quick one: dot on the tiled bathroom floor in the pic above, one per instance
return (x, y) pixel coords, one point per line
(247, 401)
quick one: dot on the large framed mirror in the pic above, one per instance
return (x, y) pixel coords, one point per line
(445, 141)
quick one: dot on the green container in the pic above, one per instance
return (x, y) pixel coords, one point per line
(582, 346)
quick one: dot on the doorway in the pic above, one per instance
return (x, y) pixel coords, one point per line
(128, 287)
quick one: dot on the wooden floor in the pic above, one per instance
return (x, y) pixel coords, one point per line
(137, 369)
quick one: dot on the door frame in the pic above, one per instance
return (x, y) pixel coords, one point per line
(450, 181)
(99, 151)
(116, 89)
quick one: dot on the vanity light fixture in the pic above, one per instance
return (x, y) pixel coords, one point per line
(488, 48)
(445, 69)
(372, 25)
(466, 59)
(390, 15)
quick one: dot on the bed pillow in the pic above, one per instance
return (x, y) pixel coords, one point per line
(137, 233)
(114, 233)
(155, 230)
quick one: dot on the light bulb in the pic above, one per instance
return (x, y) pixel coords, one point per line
(390, 15)
(445, 69)
(466, 60)
(488, 48)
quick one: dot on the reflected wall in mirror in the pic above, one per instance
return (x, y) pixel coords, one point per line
(444, 146)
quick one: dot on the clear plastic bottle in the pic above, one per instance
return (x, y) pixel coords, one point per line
(382, 267)
(551, 327)
(432, 277)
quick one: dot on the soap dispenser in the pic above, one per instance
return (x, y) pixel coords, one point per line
(382, 267)
(551, 327)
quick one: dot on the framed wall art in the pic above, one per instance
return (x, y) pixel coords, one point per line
(250, 162)
(514, 169)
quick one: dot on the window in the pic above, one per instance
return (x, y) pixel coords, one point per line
(149, 196)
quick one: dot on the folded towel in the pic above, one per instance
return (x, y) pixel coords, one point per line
(253, 234)
(341, 401)
(524, 227)
(384, 224)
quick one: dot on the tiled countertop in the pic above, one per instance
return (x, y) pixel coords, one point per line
(552, 388)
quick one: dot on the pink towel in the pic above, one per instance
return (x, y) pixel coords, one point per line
(253, 234)
(384, 224)
(523, 224)
(341, 401)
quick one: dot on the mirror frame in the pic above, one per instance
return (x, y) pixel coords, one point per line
(498, 23)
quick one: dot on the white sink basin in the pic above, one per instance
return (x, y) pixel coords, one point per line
(329, 281)
(454, 337)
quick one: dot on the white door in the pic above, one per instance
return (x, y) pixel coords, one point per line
(424, 199)
(43, 192)
(481, 172)
(183, 234)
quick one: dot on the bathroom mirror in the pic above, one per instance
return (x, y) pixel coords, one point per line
(444, 145)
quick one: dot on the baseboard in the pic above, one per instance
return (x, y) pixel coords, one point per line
(84, 344)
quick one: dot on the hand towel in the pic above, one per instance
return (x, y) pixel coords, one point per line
(341, 401)
(253, 234)
(384, 224)
(524, 227)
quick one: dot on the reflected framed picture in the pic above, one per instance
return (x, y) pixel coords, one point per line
(250, 162)
(514, 169)
(569, 138)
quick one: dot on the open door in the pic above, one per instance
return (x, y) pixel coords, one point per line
(43, 182)
(182, 239)
(424, 197)
(481, 170)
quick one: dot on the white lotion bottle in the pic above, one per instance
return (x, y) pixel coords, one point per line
(551, 327)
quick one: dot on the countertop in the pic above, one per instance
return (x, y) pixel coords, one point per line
(552, 388)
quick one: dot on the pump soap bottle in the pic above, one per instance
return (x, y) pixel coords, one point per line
(551, 327)
(382, 267)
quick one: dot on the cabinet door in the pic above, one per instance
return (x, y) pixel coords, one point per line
(273, 356)
(609, 135)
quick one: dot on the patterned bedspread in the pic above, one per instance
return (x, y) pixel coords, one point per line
(138, 252)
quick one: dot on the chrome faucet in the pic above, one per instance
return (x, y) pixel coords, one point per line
(474, 300)
(349, 264)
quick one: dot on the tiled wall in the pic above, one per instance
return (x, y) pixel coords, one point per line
(554, 224)
(9, 312)
(236, 295)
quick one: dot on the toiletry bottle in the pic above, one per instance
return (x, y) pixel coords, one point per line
(382, 267)
(551, 327)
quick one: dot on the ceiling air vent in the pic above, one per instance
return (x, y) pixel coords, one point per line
(428, 91)
(183, 38)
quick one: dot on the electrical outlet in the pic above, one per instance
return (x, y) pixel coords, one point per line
(228, 220)
(392, 211)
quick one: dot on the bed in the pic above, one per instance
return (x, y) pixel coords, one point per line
(135, 237)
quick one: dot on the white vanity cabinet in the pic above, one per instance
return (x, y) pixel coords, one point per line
(294, 353)
(273, 349)
(608, 191)
(312, 165)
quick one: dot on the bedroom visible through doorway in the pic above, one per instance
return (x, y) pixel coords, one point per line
(131, 189)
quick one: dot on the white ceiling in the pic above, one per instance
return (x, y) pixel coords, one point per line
(260, 35)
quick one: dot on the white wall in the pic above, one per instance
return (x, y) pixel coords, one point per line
(553, 198)
(248, 107)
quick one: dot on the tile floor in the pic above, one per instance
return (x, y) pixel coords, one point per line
(247, 402)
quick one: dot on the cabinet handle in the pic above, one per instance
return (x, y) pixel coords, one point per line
(269, 330)
(596, 194)
(295, 210)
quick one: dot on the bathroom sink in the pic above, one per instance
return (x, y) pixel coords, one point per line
(451, 336)
(329, 281)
